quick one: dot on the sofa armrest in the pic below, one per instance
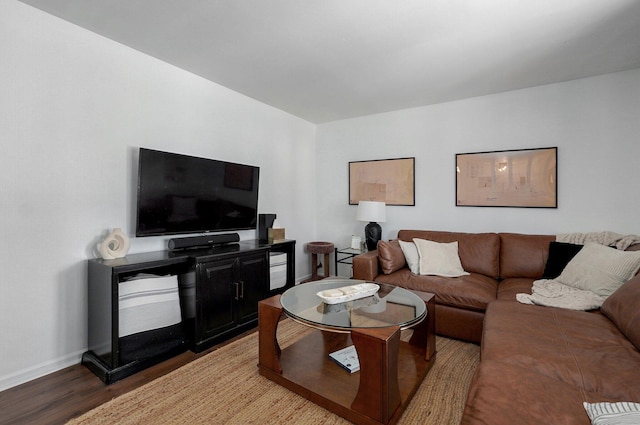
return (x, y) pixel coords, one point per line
(366, 266)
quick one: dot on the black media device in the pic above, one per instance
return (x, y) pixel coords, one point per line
(180, 194)
(265, 221)
(203, 241)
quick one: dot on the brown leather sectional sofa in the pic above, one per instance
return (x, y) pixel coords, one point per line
(500, 266)
(538, 364)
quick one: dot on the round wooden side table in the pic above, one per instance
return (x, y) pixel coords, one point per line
(315, 248)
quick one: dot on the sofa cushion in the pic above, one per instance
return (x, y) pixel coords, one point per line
(508, 288)
(391, 256)
(439, 259)
(503, 394)
(523, 255)
(600, 269)
(623, 308)
(560, 253)
(411, 255)
(540, 364)
(479, 252)
(472, 292)
(581, 349)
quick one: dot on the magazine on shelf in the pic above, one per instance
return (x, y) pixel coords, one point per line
(347, 358)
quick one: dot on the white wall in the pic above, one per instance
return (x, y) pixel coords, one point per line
(593, 122)
(74, 108)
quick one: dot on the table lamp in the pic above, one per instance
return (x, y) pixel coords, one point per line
(373, 212)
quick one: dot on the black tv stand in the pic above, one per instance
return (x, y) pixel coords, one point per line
(227, 282)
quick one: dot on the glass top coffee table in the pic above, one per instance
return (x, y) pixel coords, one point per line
(391, 370)
(389, 306)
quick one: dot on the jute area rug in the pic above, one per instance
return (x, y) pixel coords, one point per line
(224, 387)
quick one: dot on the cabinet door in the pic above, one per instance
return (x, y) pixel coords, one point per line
(253, 275)
(215, 297)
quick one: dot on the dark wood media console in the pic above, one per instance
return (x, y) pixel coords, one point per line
(228, 282)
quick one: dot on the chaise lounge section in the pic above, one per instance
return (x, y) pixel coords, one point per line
(540, 364)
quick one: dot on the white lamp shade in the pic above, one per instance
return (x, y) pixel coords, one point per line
(371, 211)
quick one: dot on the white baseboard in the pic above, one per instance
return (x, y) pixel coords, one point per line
(38, 371)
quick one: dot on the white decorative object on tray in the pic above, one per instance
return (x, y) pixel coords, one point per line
(348, 293)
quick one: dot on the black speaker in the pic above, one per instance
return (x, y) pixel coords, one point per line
(203, 241)
(265, 221)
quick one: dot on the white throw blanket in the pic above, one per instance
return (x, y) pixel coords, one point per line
(603, 238)
(552, 293)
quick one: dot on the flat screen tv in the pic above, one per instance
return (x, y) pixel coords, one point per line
(186, 194)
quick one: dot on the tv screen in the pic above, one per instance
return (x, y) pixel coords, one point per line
(185, 194)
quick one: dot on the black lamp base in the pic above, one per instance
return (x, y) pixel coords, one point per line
(372, 233)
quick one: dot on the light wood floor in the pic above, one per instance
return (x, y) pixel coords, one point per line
(70, 392)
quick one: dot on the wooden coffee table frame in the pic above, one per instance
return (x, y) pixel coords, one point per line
(390, 370)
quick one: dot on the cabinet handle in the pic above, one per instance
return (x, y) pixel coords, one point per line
(242, 289)
(237, 290)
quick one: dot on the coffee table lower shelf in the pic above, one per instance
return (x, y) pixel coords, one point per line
(391, 370)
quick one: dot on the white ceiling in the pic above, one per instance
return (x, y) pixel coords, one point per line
(324, 60)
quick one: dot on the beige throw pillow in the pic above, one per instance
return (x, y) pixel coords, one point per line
(600, 269)
(411, 255)
(440, 259)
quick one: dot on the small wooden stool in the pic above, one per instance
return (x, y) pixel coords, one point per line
(315, 248)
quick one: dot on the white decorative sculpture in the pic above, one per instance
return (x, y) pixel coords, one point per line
(115, 245)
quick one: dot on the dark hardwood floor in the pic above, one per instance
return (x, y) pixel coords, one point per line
(70, 392)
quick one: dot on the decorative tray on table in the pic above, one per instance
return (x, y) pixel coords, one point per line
(348, 293)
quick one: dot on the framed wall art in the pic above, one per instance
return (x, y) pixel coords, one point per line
(386, 180)
(525, 178)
